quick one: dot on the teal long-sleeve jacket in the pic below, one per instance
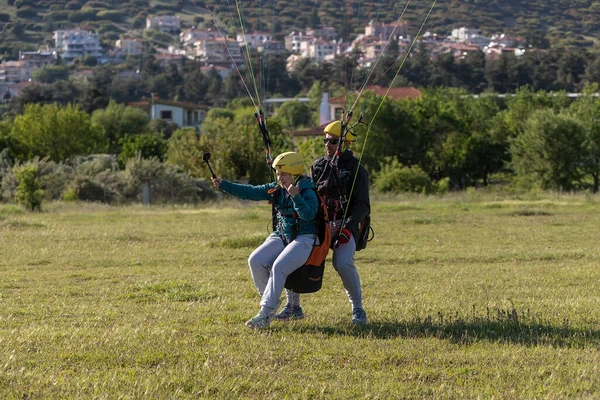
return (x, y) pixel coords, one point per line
(296, 215)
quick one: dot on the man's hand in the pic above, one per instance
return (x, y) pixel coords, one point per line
(293, 190)
(345, 236)
(217, 182)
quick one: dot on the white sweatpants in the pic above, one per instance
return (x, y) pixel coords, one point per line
(272, 262)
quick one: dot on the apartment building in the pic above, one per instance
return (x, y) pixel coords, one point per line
(77, 43)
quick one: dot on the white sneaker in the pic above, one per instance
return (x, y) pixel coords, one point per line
(259, 321)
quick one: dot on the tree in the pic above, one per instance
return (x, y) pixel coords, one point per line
(294, 114)
(237, 145)
(215, 87)
(51, 74)
(56, 132)
(29, 191)
(549, 151)
(470, 72)
(306, 72)
(147, 145)
(232, 87)
(278, 80)
(186, 148)
(195, 86)
(587, 111)
(32, 94)
(443, 71)
(497, 73)
(521, 106)
(315, 21)
(391, 132)
(388, 67)
(164, 128)
(117, 121)
(90, 61)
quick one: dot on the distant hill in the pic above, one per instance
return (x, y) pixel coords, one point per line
(25, 24)
(564, 22)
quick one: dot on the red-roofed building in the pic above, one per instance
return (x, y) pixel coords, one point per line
(164, 59)
(459, 50)
(16, 89)
(338, 103)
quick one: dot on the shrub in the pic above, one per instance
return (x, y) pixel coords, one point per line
(167, 183)
(147, 145)
(108, 15)
(60, 15)
(139, 23)
(29, 191)
(70, 194)
(164, 128)
(73, 5)
(88, 189)
(82, 15)
(97, 4)
(394, 177)
(54, 177)
(7, 176)
(26, 13)
(90, 61)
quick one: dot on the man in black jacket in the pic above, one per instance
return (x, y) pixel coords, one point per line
(345, 188)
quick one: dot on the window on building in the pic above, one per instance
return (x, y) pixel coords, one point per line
(338, 112)
(166, 115)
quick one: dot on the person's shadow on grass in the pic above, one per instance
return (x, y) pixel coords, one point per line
(501, 328)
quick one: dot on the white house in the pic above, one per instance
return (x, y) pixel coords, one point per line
(294, 40)
(219, 51)
(253, 40)
(130, 46)
(463, 34)
(327, 33)
(189, 36)
(384, 31)
(318, 49)
(185, 115)
(16, 71)
(164, 23)
(77, 43)
(292, 61)
(271, 47)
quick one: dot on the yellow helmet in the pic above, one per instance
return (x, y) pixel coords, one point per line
(334, 129)
(290, 162)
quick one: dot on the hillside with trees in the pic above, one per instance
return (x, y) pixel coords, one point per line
(25, 24)
(573, 22)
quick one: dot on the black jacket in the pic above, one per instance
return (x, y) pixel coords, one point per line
(335, 185)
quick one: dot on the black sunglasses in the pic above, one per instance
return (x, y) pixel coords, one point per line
(333, 141)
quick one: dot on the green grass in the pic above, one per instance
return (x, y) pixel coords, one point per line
(468, 296)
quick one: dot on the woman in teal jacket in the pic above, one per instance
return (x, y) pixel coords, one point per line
(290, 245)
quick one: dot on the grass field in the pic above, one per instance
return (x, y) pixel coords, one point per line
(467, 296)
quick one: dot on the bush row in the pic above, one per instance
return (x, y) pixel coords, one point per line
(98, 178)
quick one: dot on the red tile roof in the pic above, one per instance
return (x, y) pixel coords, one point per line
(395, 93)
(316, 131)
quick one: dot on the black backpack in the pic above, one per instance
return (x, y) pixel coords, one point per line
(309, 277)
